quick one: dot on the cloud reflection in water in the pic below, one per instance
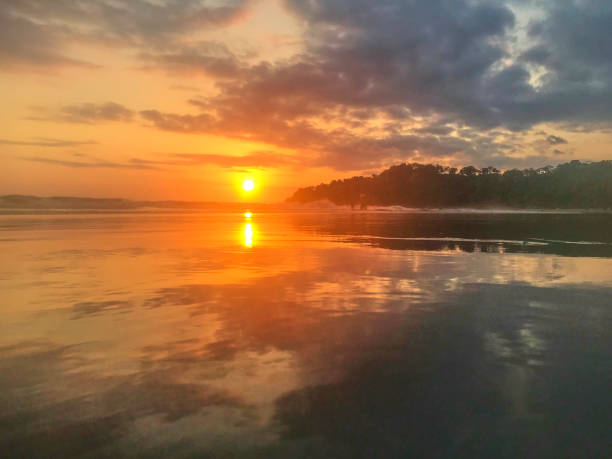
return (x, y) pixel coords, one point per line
(321, 347)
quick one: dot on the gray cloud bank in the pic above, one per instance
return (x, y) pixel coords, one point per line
(453, 68)
(376, 81)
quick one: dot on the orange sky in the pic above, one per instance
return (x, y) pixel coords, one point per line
(184, 100)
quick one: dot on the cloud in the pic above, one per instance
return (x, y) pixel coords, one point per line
(194, 63)
(131, 21)
(257, 159)
(47, 142)
(175, 122)
(33, 33)
(342, 148)
(367, 63)
(95, 164)
(253, 160)
(87, 113)
(373, 82)
(555, 140)
(206, 58)
(381, 80)
(26, 44)
(571, 51)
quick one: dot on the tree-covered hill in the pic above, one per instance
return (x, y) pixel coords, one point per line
(571, 185)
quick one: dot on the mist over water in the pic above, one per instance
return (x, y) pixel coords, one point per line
(305, 334)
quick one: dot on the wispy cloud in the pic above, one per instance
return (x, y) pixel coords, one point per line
(94, 164)
(86, 113)
(47, 142)
(37, 33)
(205, 58)
(259, 159)
(253, 160)
(26, 43)
(256, 160)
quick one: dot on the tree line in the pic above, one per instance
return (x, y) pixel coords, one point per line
(575, 184)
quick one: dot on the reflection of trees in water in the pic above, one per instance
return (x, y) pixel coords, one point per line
(553, 248)
(560, 234)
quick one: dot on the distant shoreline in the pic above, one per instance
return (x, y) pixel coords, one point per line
(34, 205)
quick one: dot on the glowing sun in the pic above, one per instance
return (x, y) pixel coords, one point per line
(248, 185)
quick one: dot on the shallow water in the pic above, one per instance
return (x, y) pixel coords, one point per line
(305, 335)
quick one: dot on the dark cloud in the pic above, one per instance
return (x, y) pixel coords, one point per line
(575, 34)
(368, 61)
(572, 46)
(537, 55)
(409, 62)
(421, 57)
(555, 140)
(435, 130)
(373, 82)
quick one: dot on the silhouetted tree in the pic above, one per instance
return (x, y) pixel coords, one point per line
(571, 185)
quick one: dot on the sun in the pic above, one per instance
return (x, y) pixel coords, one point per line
(248, 185)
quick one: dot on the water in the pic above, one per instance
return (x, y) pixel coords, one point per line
(305, 335)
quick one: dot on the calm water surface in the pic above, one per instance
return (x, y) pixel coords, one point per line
(305, 335)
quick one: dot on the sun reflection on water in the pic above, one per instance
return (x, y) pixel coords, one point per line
(248, 231)
(248, 235)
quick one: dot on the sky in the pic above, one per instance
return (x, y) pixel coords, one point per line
(184, 99)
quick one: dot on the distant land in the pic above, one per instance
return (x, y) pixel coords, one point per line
(24, 202)
(573, 185)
